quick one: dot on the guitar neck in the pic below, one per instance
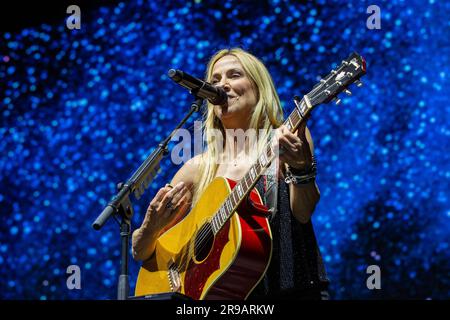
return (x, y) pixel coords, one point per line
(264, 160)
(350, 71)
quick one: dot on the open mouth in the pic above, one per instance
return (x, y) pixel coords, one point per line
(231, 100)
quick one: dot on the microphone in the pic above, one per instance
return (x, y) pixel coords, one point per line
(200, 88)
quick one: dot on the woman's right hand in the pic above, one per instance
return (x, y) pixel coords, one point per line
(166, 206)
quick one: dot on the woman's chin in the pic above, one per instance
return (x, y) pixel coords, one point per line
(225, 112)
(226, 115)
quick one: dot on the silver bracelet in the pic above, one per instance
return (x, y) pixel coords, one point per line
(301, 177)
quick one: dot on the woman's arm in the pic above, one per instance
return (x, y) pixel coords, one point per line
(158, 217)
(304, 198)
(298, 151)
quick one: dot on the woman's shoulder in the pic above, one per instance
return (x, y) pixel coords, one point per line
(188, 173)
(193, 164)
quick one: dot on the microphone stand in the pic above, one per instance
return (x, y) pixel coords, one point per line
(120, 205)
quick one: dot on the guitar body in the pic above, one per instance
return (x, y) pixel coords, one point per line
(212, 255)
(191, 260)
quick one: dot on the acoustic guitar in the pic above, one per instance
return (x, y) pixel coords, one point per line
(222, 248)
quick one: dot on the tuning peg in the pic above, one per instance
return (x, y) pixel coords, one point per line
(348, 92)
(358, 83)
(337, 100)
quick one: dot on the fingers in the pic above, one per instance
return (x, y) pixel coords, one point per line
(289, 146)
(155, 204)
(298, 136)
(288, 142)
(162, 192)
(292, 149)
(157, 199)
(289, 139)
(179, 196)
(167, 203)
(182, 204)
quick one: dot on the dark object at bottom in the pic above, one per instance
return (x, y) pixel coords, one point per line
(162, 296)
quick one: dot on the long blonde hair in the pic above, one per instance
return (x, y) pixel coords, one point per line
(267, 114)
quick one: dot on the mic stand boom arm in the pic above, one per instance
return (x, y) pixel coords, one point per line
(121, 205)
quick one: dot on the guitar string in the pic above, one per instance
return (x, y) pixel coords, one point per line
(205, 234)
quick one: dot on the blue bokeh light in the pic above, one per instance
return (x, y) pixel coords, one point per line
(81, 109)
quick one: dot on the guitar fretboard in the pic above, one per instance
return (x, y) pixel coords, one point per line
(328, 88)
(246, 184)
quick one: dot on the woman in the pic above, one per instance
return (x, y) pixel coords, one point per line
(296, 270)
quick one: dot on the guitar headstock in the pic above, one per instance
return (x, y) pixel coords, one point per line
(339, 79)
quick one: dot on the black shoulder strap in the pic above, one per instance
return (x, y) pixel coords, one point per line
(271, 188)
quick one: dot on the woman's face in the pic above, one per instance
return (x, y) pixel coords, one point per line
(242, 95)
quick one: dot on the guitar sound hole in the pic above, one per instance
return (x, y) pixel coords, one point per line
(203, 242)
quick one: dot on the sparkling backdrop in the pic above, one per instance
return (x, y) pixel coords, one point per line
(81, 109)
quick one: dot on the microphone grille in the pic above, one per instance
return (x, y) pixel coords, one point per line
(175, 75)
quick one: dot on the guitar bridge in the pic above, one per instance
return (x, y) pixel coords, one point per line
(174, 277)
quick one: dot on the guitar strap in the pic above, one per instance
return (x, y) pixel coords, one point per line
(271, 188)
(285, 259)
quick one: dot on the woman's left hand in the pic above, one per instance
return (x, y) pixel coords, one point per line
(294, 147)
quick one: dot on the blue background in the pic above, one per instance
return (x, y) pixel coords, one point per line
(81, 109)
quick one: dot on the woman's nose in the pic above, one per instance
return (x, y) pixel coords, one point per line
(225, 85)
